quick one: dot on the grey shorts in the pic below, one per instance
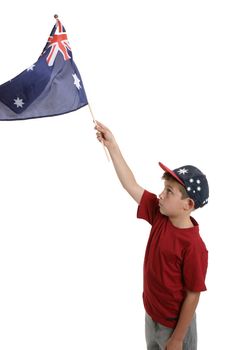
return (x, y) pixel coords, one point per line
(157, 335)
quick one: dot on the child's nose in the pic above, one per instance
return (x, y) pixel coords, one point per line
(161, 195)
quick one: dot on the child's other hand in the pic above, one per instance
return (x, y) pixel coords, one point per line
(173, 344)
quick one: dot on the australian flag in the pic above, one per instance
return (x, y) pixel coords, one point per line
(49, 87)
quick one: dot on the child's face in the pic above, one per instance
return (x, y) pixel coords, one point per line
(170, 200)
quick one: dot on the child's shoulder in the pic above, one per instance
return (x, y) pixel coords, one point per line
(196, 243)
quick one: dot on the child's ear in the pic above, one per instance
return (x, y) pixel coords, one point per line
(189, 204)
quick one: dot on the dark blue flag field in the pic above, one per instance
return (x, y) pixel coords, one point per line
(51, 86)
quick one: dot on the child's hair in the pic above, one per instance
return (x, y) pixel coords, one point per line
(167, 176)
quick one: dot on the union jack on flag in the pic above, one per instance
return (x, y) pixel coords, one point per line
(58, 42)
(51, 86)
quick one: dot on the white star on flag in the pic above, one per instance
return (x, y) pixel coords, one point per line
(31, 67)
(18, 102)
(76, 81)
(182, 171)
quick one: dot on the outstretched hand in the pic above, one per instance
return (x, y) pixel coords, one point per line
(104, 135)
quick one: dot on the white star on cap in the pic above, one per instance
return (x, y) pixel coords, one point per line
(31, 67)
(182, 171)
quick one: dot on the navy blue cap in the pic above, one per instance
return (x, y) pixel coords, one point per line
(193, 180)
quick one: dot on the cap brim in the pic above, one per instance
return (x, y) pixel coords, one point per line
(167, 170)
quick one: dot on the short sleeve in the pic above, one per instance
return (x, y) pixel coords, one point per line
(195, 268)
(148, 207)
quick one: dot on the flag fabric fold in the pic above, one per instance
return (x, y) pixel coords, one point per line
(51, 86)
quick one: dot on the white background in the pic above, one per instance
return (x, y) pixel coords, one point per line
(159, 74)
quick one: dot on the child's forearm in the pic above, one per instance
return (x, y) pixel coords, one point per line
(124, 173)
(186, 316)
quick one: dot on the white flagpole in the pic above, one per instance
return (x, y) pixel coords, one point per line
(94, 121)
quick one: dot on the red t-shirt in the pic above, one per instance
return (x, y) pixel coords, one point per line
(175, 261)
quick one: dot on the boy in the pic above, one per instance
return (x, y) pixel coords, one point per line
(176, 258)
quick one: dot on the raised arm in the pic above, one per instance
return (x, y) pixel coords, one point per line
(123, 171)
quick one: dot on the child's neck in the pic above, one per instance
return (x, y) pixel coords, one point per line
(181, 222)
